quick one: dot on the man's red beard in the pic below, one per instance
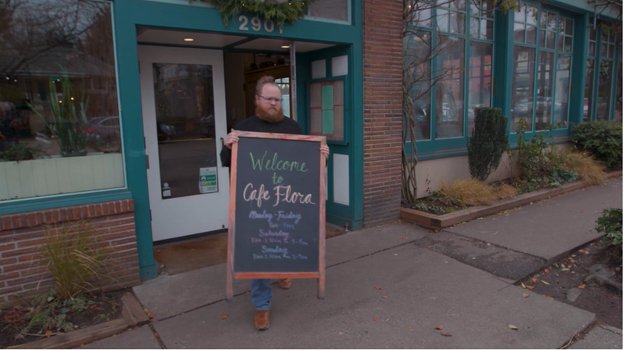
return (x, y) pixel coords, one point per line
(270, 116)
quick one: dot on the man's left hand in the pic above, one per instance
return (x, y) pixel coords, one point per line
(325, 151)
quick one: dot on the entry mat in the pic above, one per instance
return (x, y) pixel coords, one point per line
(196, 253)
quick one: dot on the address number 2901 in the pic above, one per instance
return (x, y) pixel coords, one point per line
(256, 24)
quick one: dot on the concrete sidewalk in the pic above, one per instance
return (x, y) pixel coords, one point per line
(385, 288)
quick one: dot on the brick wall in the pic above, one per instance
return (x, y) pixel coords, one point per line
(383, 61)
(21, 236)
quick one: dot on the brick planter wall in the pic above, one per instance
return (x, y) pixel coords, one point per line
(22, 234)
(383, 71)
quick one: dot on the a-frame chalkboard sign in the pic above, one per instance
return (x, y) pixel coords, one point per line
(277, 209)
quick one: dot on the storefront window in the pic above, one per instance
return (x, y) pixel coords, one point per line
(328, 9)
(605, 73)
(59, 113)
(552, 55)
(480, 80)
(618, 96)
(450, 88)
(417, 80)
(589, 75)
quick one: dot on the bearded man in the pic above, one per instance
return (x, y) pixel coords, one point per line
(269, 118)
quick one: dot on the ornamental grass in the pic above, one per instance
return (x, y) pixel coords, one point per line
(466, 193)
(585, 166)
(72, 255)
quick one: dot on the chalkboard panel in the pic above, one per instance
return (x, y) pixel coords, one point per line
(277, 208)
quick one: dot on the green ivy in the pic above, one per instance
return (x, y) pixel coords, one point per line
(289, 11)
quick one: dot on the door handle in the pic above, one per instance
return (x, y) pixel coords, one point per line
(147, 161)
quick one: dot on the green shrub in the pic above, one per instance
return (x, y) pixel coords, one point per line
(488, 142)
(610, 223)
(541, 164)
(603, 139)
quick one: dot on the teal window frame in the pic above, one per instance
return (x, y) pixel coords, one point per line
(447, 147)
(346, 136)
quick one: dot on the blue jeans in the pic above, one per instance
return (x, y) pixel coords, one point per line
(261, 294)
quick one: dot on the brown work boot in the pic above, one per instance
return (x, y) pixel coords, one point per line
(261, 320)
(285, 283)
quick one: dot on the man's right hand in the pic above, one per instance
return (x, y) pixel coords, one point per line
(231, 138)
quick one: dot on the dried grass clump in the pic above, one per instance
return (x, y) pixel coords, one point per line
(586, 168)
(505, 191)
(73, 258)
(467, 193)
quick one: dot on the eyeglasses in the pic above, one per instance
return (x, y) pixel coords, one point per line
(271, 99)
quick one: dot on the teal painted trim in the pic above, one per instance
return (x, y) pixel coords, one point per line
(60, 201)
(177, 16)
(584, 6)
(134, 152)
(579, 52)
(614, 82)
(356, 70)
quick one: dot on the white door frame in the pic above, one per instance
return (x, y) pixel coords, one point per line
(178, 217)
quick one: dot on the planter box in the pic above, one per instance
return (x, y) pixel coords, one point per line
(438, 222)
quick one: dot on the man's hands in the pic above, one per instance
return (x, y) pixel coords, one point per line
(231, 138)
(325, 151)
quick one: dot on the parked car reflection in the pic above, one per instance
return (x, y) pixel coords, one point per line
(104, 133)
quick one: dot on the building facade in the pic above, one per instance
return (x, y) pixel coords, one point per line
(115, 111)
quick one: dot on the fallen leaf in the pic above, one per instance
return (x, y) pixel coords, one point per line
(546, 270)
(582, 211)
(411, 330)
(530, 287)
(546, 283)
(48, 333)
(555, 265)
(404, 237)
(565, 269)
(440, 328)
(534, 280)
(374, 319)
(586, 252)
(340, 333)
(549, 297)
(385, 297)
(522, 285)
(445, 334)
(525, 295)
(513, 327)
(224, 317)
(378, 288)
(582, 286)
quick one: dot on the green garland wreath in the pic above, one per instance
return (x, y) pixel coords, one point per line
(288, 11)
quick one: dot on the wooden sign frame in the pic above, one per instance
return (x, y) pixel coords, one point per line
(230, 273)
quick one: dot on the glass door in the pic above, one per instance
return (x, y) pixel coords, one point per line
(183, 100)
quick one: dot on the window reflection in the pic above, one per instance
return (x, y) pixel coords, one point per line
(58, 92)
(480, 81)
(417, 80)
(522, 86)
(450, 88)
(544, 90)
(604, 90)
(562, 90)
(589, 88)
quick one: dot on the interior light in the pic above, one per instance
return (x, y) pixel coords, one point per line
(285, 46)
(71, 98)
(60, 101)
(188, 39)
